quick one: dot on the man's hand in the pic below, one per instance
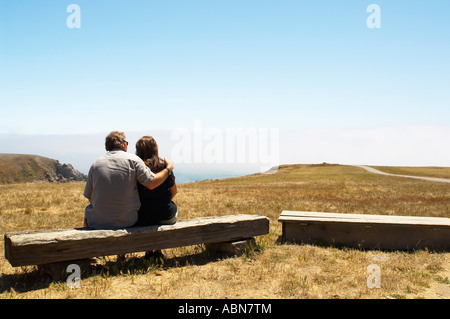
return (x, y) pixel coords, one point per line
(161, 176)
(169, 164)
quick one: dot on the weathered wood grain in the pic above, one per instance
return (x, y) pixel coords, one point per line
(42, 247)
(366, 231)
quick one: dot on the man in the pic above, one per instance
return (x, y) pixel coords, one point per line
(111, 185)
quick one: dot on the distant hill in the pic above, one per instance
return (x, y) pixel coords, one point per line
(24, 168)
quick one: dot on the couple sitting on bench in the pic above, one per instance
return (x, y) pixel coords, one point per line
(126, 190)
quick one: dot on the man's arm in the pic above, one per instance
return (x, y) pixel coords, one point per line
(160, 177)
(88, 187)
(173, 190)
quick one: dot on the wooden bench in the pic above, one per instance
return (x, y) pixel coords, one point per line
(366, 231)
(50, 247)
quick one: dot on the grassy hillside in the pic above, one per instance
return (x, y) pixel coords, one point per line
(273, 270)
(23, 168)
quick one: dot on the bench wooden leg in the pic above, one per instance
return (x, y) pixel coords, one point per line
(233, 248)
(58, 270)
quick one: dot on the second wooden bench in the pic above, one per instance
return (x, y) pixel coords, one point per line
(366, 231)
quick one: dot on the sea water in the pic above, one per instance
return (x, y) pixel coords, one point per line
(183, 177)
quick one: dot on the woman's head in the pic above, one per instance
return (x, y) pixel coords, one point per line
(147, 150)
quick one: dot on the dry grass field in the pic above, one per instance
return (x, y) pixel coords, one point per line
(273, 269)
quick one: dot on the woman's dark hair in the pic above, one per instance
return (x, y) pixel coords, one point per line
(147, 150)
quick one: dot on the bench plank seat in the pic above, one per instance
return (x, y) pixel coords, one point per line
(43, 247)
(366, 231)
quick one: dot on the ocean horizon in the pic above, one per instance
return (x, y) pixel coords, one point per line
(184, 177)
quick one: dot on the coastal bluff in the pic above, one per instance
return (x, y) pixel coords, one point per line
(25, 168)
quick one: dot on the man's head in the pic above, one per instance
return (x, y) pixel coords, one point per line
(116, 140)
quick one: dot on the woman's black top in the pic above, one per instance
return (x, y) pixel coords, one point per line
(156, 204)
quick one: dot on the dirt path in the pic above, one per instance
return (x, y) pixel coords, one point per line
(431, 179)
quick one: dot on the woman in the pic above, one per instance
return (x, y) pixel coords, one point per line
(157, 207)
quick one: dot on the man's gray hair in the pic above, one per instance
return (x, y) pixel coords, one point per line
(114, 140)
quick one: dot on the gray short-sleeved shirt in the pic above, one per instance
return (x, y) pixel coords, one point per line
(111, 187)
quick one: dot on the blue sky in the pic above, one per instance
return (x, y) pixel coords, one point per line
(288, 64)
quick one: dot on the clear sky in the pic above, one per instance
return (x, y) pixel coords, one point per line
(288, 64)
